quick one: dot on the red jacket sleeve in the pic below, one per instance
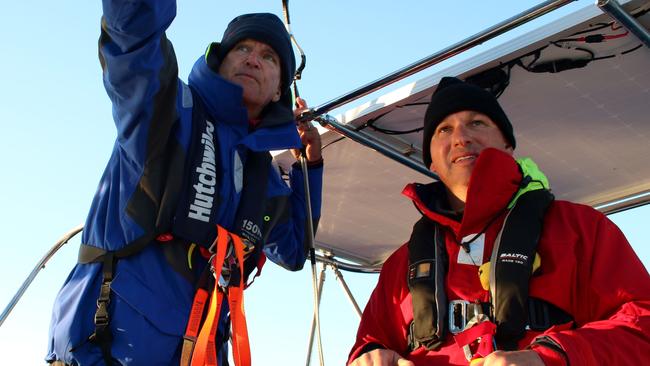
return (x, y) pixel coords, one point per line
(382, 322)
(613, 301)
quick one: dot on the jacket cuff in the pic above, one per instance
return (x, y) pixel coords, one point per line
(551, 352)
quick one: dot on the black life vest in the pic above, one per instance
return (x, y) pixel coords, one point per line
(511, 266)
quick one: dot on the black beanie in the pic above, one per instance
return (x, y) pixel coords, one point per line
(454, 95)
(262, 27)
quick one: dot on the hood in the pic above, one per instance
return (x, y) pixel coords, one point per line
(223, 101)
(495, 180)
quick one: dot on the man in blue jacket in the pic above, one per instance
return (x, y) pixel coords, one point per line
(187, 157)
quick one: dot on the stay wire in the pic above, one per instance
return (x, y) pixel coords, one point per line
(303, 58)
(308, 209)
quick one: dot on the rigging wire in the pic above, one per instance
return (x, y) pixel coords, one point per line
(303, 58)
(303, 163)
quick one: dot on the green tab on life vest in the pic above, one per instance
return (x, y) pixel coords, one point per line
(537, 179)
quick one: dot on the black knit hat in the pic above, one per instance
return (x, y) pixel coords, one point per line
(454, 95)
(262, 27)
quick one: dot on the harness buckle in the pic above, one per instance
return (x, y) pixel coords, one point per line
(461, 312)
(229, 273)
(477, 340)
(248, 247)
(101, 315)
(224, 277)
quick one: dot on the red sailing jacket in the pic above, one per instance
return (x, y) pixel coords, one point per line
(588, 269)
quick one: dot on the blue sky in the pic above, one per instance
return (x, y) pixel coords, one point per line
(57, 134)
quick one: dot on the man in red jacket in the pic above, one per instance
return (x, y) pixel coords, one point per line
(527, 280)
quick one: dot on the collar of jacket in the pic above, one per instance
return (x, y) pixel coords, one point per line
(495, 179)
(223, 101)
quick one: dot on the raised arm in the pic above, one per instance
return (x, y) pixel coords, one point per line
(141, 79)
(140, 72)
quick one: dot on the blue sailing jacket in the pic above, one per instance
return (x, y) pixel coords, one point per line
(176, 167)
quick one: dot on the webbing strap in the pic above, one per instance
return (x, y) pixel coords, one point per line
(209, 331)
(511, 265)
(478, 340)
(427, 271)
(240, 345)
(102, 335)
(199, 346)
(193, 325)
(202, 354)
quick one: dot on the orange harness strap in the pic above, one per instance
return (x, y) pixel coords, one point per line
(193, 325)
(199, 347)
(240, 345)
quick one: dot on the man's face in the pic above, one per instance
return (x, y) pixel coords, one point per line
(254, 66)
(456, 144)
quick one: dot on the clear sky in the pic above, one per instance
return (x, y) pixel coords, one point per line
(57, 133)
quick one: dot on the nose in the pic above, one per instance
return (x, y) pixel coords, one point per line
(253, 59)
(461, 136)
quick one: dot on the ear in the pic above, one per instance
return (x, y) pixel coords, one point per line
(432, 168)
(277, 95)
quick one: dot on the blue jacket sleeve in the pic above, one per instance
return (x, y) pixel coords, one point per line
(140, 73)
(287, 244)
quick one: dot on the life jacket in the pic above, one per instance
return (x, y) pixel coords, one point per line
(195, 221)
(512, 258)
